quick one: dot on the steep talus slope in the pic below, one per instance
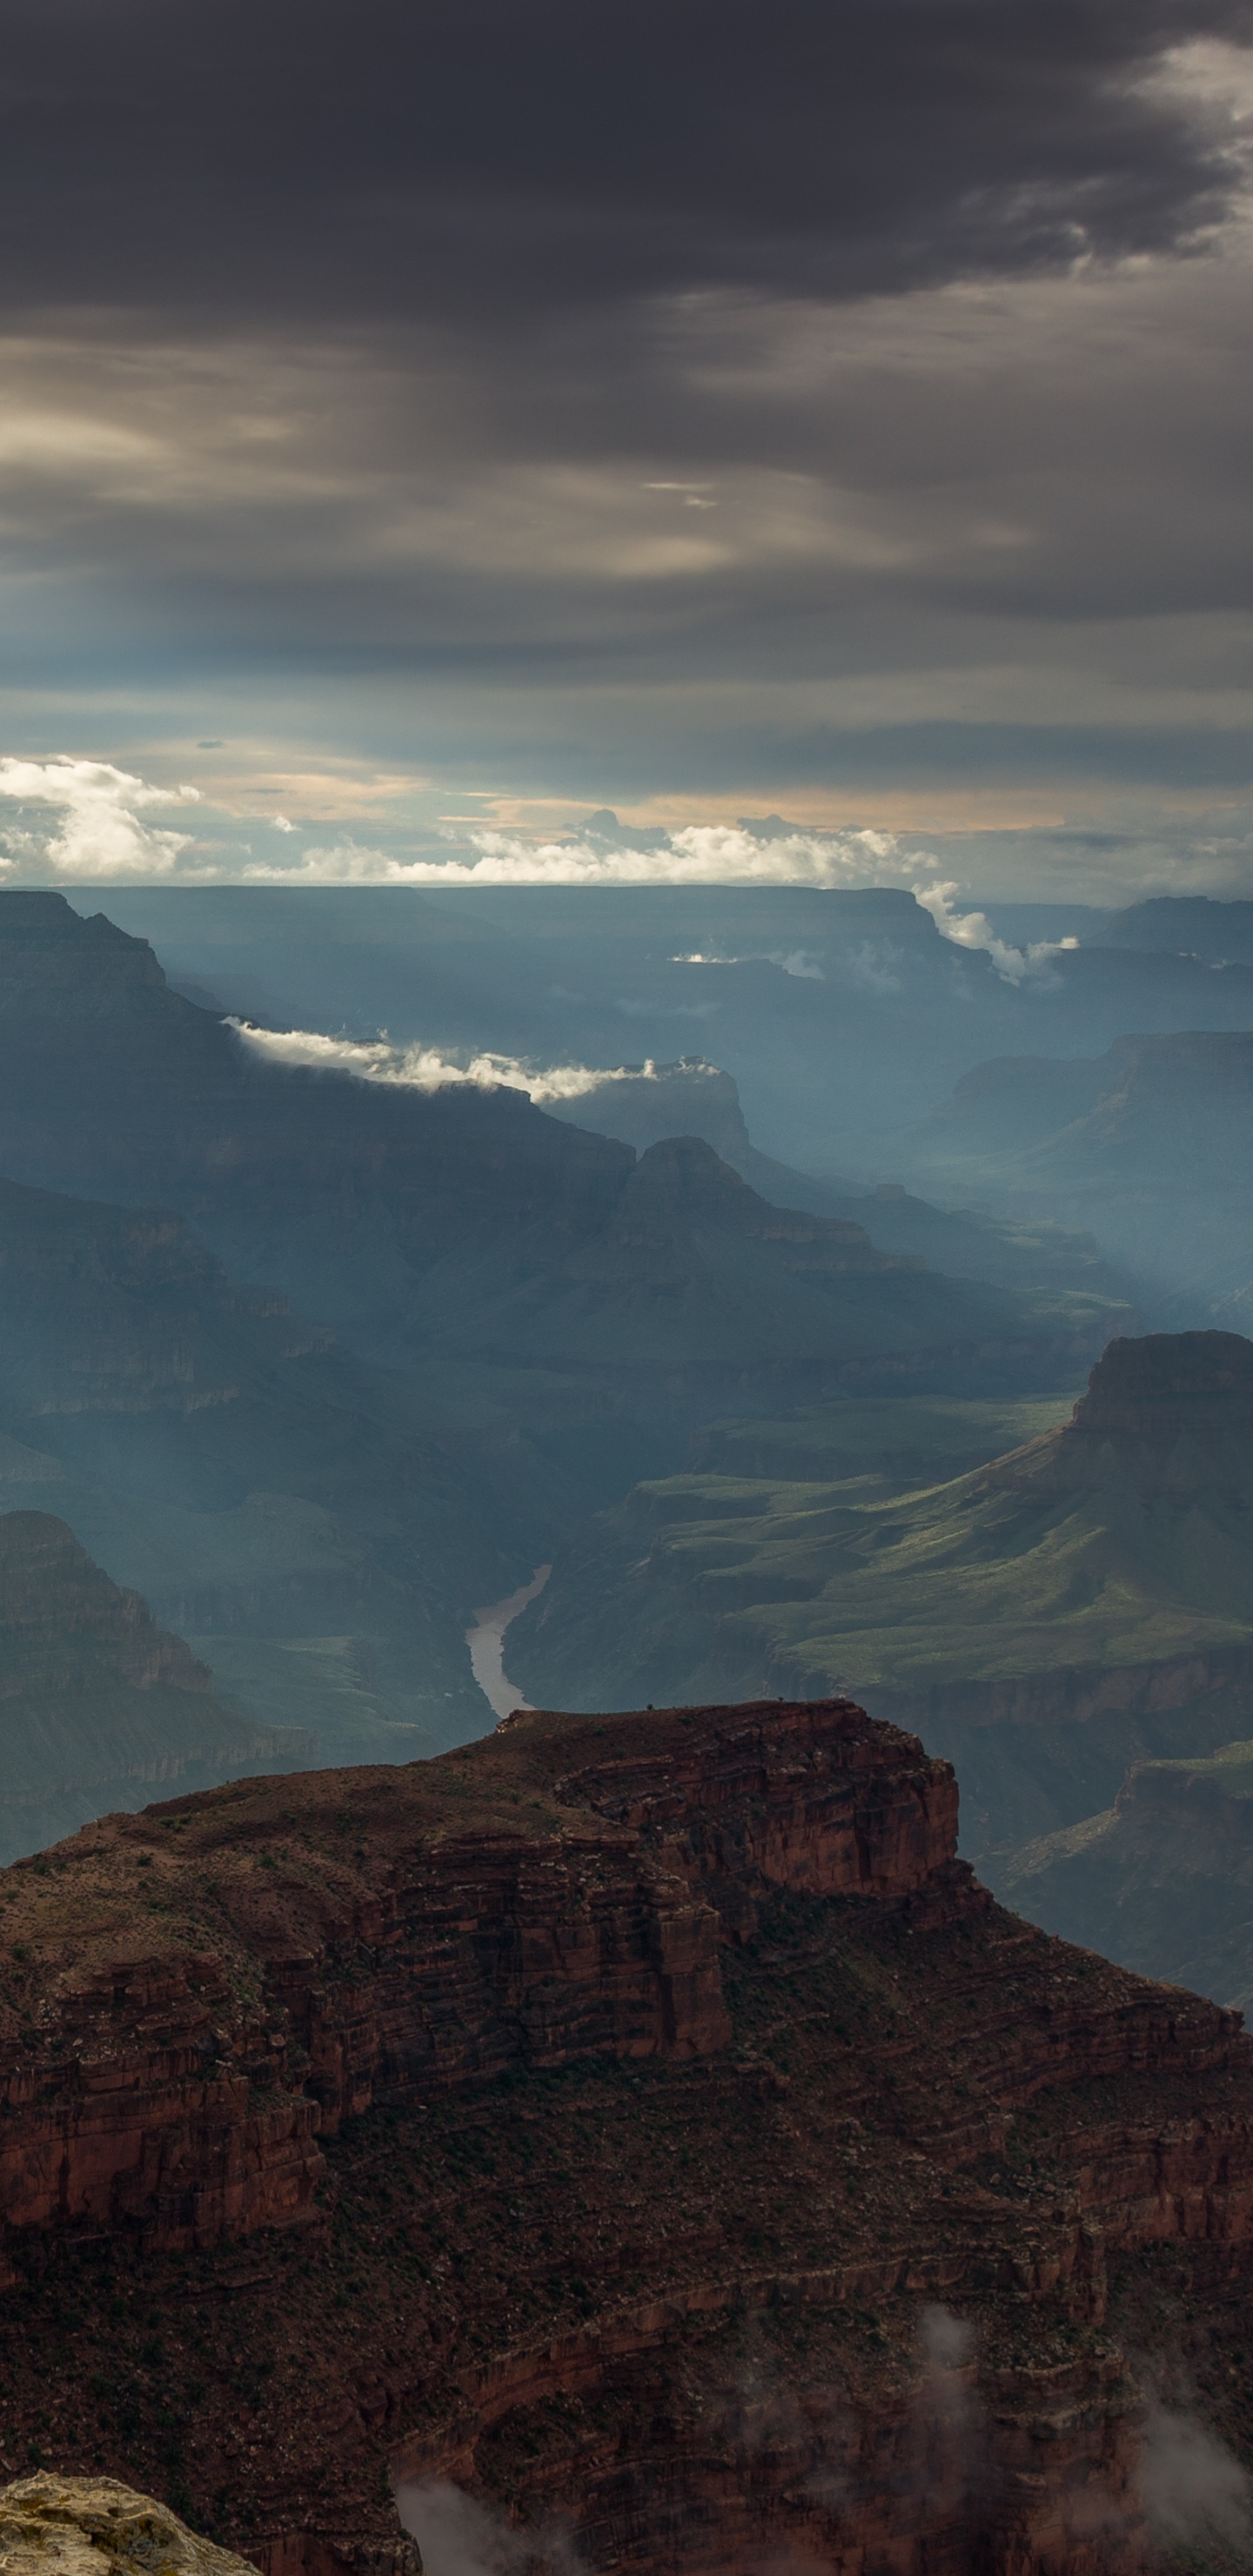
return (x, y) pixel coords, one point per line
(1045, 1619)
(598, 2117)
(288, 1506)
(95, 1699)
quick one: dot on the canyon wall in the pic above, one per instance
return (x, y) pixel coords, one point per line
(425, 1957)
(644, 2122)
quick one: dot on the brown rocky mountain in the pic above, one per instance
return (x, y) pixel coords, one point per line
(643, 2122)
(95, 1699)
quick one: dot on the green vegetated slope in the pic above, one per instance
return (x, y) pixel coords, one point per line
(711, 1579)
(530, 1320)
(1043, 1618)
(97, 1704)
(1162, 1880)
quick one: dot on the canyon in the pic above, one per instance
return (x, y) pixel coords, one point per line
(643, 2122)
(457, 1221)
(1045, 1619)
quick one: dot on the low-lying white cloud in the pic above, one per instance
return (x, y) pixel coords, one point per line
(974, 930)
(794, 961)
(458, 2536)
(424, 1068)
(1198, 2495)
(698, 854)
(100, 832)
(103, 831)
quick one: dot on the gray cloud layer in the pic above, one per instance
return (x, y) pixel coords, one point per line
(839, 409)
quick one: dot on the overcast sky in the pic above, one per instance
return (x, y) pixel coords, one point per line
(444, 421)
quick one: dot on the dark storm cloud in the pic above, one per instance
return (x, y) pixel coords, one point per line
(582, 401)
(317, 157)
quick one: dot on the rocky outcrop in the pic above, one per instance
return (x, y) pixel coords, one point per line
(134, 2096)
(645, 2123)
(65, 2526)
(1168, 1387)
(808, 1796)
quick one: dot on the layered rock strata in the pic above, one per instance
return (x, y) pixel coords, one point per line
(645, 2123)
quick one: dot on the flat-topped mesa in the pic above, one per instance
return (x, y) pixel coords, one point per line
(1164, 1384)
(198, 1991)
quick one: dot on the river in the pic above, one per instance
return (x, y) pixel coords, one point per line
(486, 1641)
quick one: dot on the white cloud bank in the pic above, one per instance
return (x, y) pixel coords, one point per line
(420, 1068)
(699, 854)
(103, 833)
(100, 833)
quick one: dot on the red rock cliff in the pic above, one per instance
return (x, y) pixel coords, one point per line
(602, 2117)
(393, 1949)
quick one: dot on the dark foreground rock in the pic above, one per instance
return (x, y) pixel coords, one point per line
(644, 2122)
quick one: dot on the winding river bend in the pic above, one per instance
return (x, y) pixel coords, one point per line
(486, 1641)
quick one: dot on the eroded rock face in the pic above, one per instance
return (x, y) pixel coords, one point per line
(65, 2526)
(377, 1942)
(643, 2123)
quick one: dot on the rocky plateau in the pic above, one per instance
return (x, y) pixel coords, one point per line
(643, 2123)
